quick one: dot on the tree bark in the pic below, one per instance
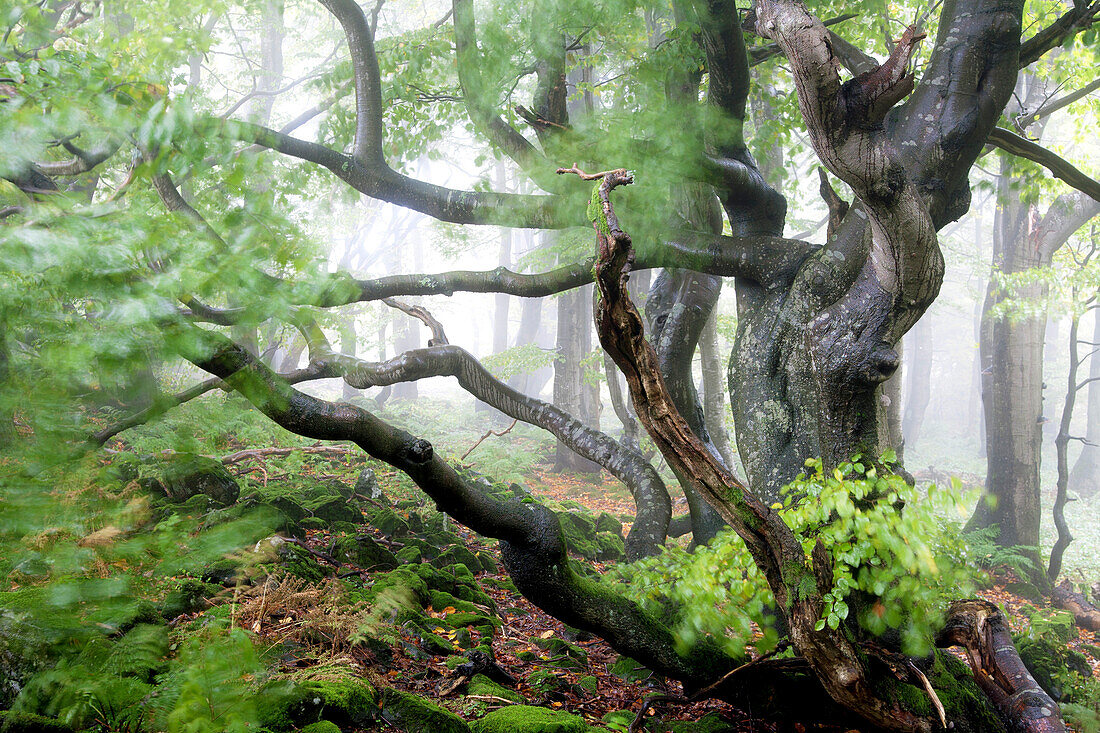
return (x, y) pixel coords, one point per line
(1084, 478)
(918, 380)
(570, 392)
(714, 393)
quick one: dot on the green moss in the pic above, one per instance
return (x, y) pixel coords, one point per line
(609, 547)
(12, 722)
(589, 684)
(188, 598)
(458, 555)
(364, 552)
(562, 653)
(387, 522)
(482, 685)
(322, 726)
(417, 715)
(546, 683)
(400, 578)
(1050, 663)
(185, 475)
(628, 670)
(579, 531)
(345, 700)
(435, 644)
(529, 719)
(967, 708)
(409, 555)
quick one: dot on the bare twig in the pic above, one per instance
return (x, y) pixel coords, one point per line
(487, 434)
(931, 692)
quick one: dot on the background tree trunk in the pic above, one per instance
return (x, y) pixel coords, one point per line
(918, 379)
(714, 392)
(1084, 478)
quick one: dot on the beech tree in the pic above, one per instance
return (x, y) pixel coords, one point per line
(817, 323)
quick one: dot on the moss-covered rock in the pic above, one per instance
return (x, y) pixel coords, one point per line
(343, 700)
(562, 653)
(386, 521)
(629, 670)
(529, 719)
(183, 475)
(223, 572)
(400, 578)
(547, 684)
(589, 684)
(11, 722)
(192, 595)
(457, 555)
(365, 552)
(482, 685)
(327, 500)
(301, 563)
(609, 547)
(580, 534)
(607, 523)
(409, 555)
(322, 726)
(414, 714)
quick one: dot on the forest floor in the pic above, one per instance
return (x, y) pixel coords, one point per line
(319, 606)
(615, 699)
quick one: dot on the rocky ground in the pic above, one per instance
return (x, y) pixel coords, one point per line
(364, 610)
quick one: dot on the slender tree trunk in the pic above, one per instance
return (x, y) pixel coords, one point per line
(714, 392)
(7, 414)
(1012, 385)
(349, 347)
(570, 393)
(918, 379)
(1085, 476)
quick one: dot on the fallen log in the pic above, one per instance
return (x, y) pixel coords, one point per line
(979, 627)
(1085, 615)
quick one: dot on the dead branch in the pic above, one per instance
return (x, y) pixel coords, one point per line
(487, 434)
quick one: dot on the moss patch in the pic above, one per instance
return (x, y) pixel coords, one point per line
(529, 719)
(482, 685)
(417, 715)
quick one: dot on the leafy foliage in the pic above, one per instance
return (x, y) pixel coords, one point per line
(897, 560)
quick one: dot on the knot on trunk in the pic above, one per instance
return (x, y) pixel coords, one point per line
(418, 451)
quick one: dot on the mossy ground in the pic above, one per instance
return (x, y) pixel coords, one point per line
(364, 651)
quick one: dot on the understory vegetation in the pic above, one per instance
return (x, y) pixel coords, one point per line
(157, 589)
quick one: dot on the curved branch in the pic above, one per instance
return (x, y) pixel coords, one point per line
(163, 405)
(368, 84)
(1059, 166)
(379, 181)
(770, 261)
(532, 546)
(1053, 106)
(650, 495)
(475, 91)
(439, 337)
(82, 160)
(1080, 18)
